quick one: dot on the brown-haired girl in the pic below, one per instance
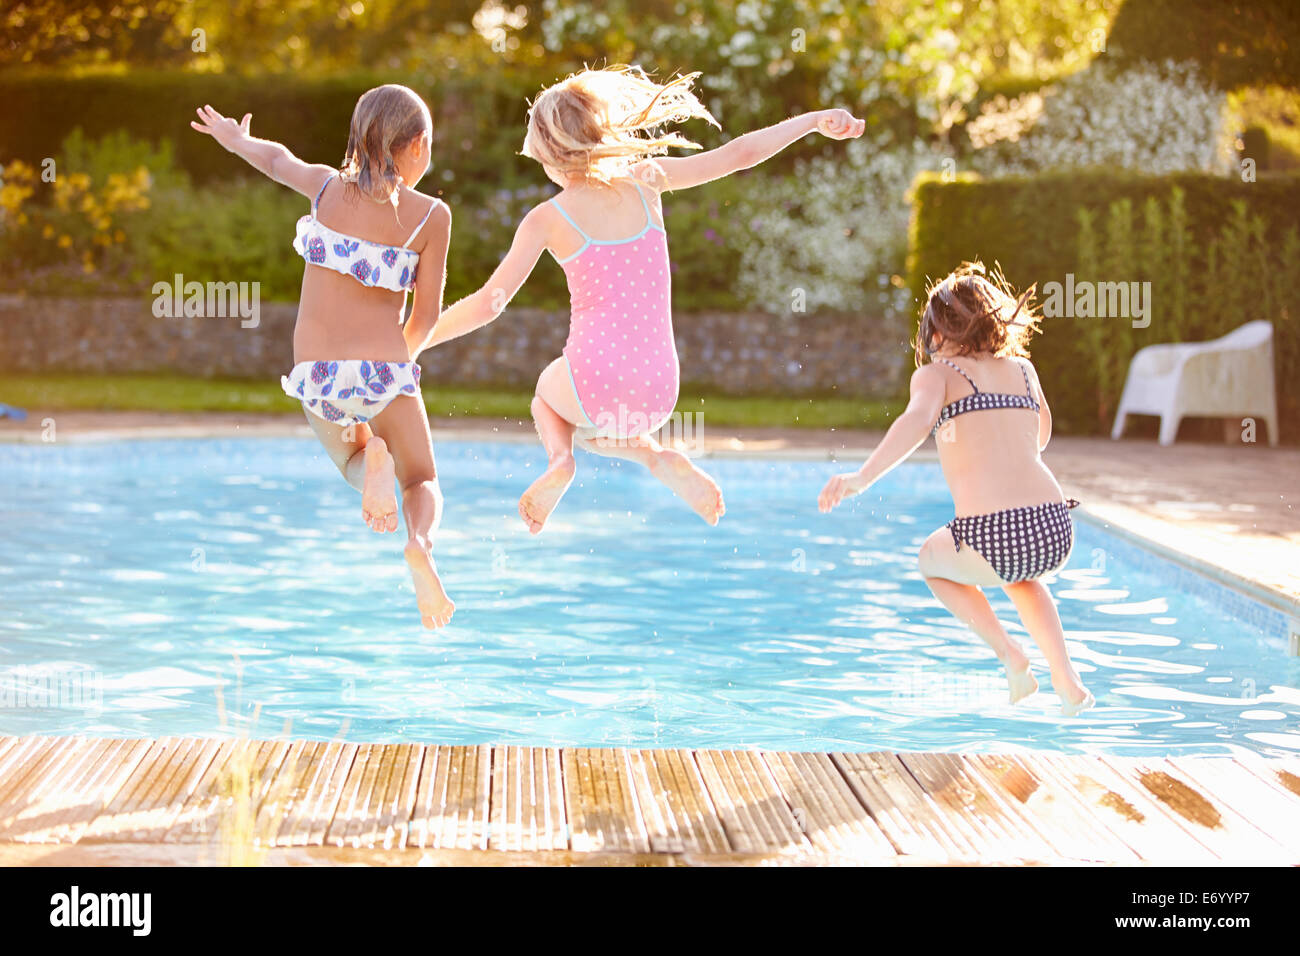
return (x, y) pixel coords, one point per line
(1013, 523)
(369, 240)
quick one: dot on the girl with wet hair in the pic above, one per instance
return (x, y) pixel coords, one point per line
(1012, 524)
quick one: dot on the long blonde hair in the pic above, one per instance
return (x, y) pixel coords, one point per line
(385, 120)
(594, 124)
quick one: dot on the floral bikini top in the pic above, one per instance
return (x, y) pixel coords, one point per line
(370, 263)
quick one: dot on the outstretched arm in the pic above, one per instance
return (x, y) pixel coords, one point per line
(267, 157)
(479, 308)
(743, 152)
(904, 437)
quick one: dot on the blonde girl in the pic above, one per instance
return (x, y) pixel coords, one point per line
(369, 239)
(1013, 523)
(597, 135)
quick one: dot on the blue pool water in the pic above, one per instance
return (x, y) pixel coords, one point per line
(182, 586)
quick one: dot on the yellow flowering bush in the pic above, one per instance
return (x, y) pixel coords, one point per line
(75, 216)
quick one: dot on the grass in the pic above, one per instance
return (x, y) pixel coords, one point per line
(176, 393)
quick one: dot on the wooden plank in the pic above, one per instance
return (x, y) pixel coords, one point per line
(1269, 810)
(362, 827)
(832, 819)
(119, 818)
(33, 781)
(1064, 819)
(581, 807)
(864, 807)
(527, 800)
(33, 818)
(285, 789)
(679, 816)
(393, 820)
(247, 780)
(453, 799)
(905, 813)
(511, 789)
(197, 821)
(600, 802)
(1144, 824)
(303, 771)
(995, 829)
(1276, 773)
(24, 770)
(309, 825)
(352, 797)
(191, 773)
(474, 797)
(22, 753)
(682, 774)
(1215, 824)
(754, 815)
(664, 831)
(550, 824)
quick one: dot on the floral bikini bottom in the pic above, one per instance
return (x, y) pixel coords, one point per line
(350, 391)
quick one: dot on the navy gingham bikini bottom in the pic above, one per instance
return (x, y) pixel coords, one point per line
(1020, 543)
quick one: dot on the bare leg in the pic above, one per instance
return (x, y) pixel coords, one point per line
(556, 413)
(956, 577)
(365, 464)
(1038, 612)
(670, 466)
(405, 427)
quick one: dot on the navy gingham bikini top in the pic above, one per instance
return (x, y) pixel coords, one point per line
(983, 401)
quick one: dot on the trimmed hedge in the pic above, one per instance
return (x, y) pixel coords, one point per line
(478, 123)
(1032, 226)
(1241, 43)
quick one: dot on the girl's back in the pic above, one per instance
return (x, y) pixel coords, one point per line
(991, 457)
(337, 314)
(620, 348)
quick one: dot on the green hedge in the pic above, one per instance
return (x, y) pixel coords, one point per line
(1217, 251)
(479, 123)
(1240, 43)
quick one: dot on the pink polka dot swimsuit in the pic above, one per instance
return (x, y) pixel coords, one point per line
(620, 350)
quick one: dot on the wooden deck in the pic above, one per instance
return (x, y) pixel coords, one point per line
(98, 800)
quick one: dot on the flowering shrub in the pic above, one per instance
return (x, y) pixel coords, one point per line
(836, 231)
(86, 207)
(1155, 119)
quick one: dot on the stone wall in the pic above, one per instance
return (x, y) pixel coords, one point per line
(725, 352)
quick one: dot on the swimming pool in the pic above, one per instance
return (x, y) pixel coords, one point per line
(176, 587)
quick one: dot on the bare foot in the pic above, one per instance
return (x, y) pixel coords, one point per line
(1073, 705)
(690, 484)
(378, 499)
(537, 503)
(435, 607)
(1022, 683)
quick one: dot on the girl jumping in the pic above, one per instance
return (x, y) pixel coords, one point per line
(369, 239)
(1013, 523)
(596, 136)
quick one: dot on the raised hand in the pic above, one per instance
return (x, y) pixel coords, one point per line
(838, 488)
(222, 128)
(840, 124)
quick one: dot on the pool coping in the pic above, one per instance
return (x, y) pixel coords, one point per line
(522, 433)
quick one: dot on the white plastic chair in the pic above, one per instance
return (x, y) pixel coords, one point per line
(1227, 377)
